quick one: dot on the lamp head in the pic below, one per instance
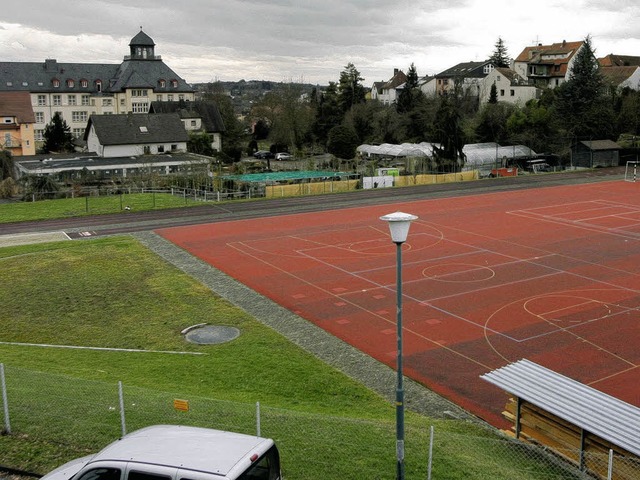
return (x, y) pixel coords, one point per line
(399, 224)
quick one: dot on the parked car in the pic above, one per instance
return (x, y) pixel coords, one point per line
(263, 154)
(164, 452)
(283, 156)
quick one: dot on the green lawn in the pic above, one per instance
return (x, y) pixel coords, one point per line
(83, 206)
(114, 293)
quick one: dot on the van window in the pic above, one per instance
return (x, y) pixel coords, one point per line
(102, 474)
(137, 475)
(265, 468)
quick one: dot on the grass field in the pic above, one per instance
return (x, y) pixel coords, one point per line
(83, 206)
(114, 293)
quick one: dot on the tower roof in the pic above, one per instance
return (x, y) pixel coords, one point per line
(142, 39)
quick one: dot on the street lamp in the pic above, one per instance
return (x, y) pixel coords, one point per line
(399, 224)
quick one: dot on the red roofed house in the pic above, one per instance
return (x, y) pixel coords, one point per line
(17, 122)
(547, 65)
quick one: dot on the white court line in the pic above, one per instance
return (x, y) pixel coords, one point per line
(76, 347)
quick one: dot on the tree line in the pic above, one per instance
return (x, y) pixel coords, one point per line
(339, 117)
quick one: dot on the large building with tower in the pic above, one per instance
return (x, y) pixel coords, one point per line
(78, 90)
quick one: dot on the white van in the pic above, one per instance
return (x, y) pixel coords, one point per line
(171, 452)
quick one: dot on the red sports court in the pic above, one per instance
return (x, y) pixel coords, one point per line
(548, 274)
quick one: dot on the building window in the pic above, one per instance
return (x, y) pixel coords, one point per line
(79, 116)
(174, 83)
(159, 98)
(174, 147)
(7, 140)
(138, 93)
(170, 97)
(55, 82)
(38, 135)
(78, 132)
(39, 117)
(122, 102)
(99, 85)
(162, 83)
(42, 100)
(71, 99)
(181, 97)
(160, 148)
(86, 100)
(70, 83)
(513, 93)
(147, 149)
(106, 102)
(84, 83)
(193, 123)
(138, 107)
(57, 100)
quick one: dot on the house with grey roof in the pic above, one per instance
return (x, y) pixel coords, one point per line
(79, 90)
(510, 87)
(197, 116)
(467, 76)
(132, 135)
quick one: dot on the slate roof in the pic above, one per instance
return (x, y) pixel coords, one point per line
(465, 70)
(38, 77)
(126, 129)
(17, 104)
(207, 111)
(512, 76)
(142, 39)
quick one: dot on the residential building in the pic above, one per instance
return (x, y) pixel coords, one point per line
(18, 120)
(79, 90)
(388, 92)
(618, 78)
(547, 66)
(510, 87)
(197, 116)
(467, 76)
(131, 135)
(612, 60)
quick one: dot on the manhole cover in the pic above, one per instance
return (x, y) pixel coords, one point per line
(211, 334)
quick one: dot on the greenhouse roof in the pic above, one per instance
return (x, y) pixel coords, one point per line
(284, 176)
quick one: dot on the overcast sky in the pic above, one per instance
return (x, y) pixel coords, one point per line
(309, 40)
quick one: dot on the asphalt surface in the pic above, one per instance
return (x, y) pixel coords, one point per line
(131, 222)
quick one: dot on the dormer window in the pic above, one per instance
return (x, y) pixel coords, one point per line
(84, 83)
(162, 83)
(174, 83)
(99, 85)
(56, 83)
(70, 83)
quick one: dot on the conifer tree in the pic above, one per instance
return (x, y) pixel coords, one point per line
(500, 58)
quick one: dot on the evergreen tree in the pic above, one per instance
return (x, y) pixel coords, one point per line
(233, 137)
(493, 94)
(57, 135)
(411, 93)
(343, 141)
(581, 104)
(328, 113)
(6, 165)
(350, 89)
(448, 132)
(500, 58)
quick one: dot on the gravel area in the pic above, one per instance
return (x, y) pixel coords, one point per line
(313, 339)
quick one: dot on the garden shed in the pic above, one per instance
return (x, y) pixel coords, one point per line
(595, 153)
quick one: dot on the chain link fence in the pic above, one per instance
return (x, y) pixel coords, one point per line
(76, 415)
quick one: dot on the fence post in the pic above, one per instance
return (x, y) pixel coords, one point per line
(5, 403)
(430, 453)
(610, 469)
(258, 418)
(123, 425)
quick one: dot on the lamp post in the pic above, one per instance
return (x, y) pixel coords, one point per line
(399, 224)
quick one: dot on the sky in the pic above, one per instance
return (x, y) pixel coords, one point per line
(309, 41)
